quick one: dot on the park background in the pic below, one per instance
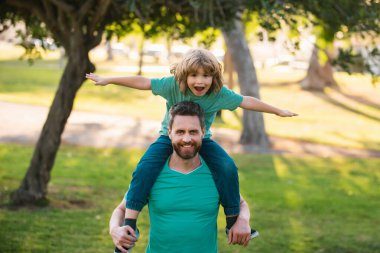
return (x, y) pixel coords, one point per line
(315, 190)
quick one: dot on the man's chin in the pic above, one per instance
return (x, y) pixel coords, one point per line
(186, 155)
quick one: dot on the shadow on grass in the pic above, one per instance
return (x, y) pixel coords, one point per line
(310, 204)
(346, 107)
(371, 146)
(358, 99)
(280, 84)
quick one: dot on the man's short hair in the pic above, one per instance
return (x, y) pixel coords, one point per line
(186, 108)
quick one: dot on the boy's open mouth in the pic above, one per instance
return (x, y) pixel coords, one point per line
(199, 89)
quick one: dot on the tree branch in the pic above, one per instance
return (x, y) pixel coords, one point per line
(84, 9)
(97, 39)
(50, 19)
(31, 5)
(99, 15)
(63, 5)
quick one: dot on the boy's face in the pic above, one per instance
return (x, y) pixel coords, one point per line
(199, 83)
(186, 135)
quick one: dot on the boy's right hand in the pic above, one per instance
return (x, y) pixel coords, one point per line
(97, 79)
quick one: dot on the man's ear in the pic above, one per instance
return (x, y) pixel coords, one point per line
(169, 133)
(203, 132)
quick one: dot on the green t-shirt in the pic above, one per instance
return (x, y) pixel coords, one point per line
(183, 210)
(168, 88)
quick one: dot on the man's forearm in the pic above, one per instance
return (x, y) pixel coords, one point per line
(244, 210)
(117, 218)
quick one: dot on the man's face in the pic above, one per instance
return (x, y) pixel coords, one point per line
(186, 135)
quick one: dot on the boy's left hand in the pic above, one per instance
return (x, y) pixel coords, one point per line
(286, 113)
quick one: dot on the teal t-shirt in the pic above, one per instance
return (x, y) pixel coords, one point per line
(183, 210)
(168, 88)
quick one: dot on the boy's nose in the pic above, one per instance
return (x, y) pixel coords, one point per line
(200, 79)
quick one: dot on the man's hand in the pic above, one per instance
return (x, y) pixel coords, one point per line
(240, 233)
(123, 238)
(286, 113)
(97, 79)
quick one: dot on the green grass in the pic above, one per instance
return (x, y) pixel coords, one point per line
(299, 204)
(350, 118)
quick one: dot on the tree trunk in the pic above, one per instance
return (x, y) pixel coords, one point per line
(253, 122)
(169, 42)
(318, 77)
(141, 55)
(109, 51)
(229, 69)
(33, 189)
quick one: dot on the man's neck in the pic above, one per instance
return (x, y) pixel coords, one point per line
(184, 165)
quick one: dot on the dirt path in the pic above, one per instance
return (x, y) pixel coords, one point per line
(21, 123)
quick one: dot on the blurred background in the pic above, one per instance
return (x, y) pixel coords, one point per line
(68, 148)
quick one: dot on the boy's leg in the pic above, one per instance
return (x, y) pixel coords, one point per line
(226, 178)
(224, 172)
(146, 173)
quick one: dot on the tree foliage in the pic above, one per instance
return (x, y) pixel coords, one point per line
(345, 17)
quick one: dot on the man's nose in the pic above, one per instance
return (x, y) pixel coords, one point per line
(187, 138)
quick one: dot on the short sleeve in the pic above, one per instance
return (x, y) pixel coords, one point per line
(162, 86)
(229, 99)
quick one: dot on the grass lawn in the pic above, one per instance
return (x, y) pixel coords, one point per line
(349, 118)
(299, 204)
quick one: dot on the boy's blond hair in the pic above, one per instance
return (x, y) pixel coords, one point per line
(191, 62)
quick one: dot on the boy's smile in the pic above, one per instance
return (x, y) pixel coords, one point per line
(199, 83)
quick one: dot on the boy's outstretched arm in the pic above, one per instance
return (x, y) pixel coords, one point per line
(254, 104)
(136, 82)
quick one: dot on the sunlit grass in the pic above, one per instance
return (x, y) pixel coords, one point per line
(298, 204)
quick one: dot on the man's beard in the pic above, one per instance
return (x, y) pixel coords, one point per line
(186, 155)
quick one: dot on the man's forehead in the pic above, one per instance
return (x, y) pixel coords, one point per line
(182, 120)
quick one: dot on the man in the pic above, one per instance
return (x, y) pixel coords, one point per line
(184, 201)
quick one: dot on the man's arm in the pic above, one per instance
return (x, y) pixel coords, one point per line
(254, 104)
(136, 82)
(122, 236)
(240, 233)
